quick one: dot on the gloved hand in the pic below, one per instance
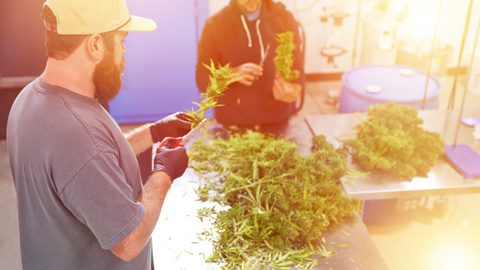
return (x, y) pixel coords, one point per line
(174, 125)
(173, 162)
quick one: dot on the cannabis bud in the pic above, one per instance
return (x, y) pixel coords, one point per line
(284, 59)
(219, 81)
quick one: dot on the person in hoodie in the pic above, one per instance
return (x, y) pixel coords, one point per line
(239, 35)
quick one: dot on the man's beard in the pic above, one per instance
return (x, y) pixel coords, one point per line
(107, 77)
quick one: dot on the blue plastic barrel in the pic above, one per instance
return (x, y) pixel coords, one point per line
(368, 85)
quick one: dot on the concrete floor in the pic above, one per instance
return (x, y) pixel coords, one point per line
(9, 240)
(452, 242)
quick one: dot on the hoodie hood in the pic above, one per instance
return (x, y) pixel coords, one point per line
(269, 9)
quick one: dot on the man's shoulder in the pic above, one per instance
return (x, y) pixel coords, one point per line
(95, 126)
(221, 16)
(52, 112)
(279, 11)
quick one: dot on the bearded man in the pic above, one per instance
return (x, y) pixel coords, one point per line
(243, 34)
(81, 201)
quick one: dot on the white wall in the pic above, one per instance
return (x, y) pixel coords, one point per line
(420, 22)
(308, 13)
(452, 23)
(217, 5)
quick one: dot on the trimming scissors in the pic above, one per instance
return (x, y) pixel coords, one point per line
(265, 55)
(182, 141)
(263, 58)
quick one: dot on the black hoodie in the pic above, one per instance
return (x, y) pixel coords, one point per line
(226, 40)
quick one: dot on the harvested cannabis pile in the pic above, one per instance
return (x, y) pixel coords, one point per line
(219, 81)
(284, 59)
(391, 139)
(274, 200)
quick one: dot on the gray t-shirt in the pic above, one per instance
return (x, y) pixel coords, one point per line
(76, 178)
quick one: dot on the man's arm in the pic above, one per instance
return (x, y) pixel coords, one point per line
(169, 164)
(152, 198)
(174, 125)
(140, 139)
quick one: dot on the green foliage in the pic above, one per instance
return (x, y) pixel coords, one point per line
(219, 81)
(391, 140)
(284, 59)
(274, 202)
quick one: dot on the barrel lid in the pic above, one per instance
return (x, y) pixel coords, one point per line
(394, 85)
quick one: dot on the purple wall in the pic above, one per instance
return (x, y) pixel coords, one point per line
(159, 74)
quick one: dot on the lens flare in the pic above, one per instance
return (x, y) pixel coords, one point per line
(454, 252)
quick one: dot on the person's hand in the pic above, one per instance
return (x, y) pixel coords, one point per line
(249, 72)
(285, 91)
(174, 125)
(173, 162)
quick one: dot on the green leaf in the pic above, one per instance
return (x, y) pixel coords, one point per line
(310, 245)
(179, 255)
(219, 80)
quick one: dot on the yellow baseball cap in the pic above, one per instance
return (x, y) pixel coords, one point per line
(86, 17)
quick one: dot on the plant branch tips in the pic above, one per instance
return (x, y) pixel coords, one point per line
(284, 59)
(220, 79)
(273, 202)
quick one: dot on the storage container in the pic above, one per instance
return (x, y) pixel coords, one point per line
(416, 53)
(368, 85)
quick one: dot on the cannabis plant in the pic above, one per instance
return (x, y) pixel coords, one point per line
(219, 81)
(273, 201)
(284, 59)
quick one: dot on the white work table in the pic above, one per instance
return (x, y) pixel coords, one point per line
(175, 244)
(443, 179)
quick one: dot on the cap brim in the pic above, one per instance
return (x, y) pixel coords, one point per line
(139, 24)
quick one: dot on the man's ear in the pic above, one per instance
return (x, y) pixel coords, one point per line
(94, 47)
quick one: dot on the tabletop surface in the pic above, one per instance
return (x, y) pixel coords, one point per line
(175, 244)
(442, 179)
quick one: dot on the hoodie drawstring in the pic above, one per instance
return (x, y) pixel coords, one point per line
(262, 51)
(246, 30)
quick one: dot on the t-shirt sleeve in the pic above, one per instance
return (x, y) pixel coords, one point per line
(100, 198)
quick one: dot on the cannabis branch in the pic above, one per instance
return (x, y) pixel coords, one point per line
(277, 200)
(220, 79)
(284, 59)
